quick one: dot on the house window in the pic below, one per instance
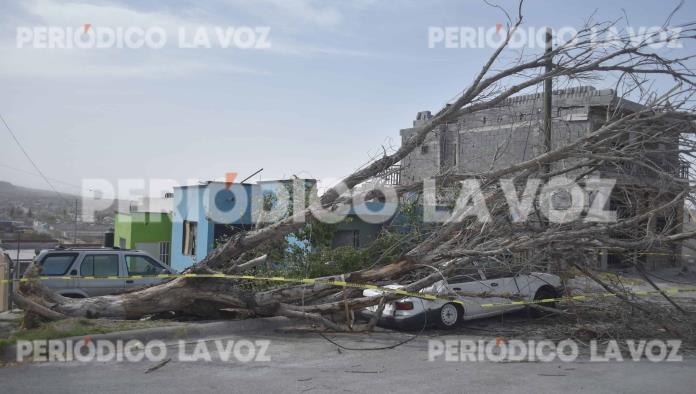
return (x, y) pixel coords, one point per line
(189, 238)
(424, 149)
(164, 253)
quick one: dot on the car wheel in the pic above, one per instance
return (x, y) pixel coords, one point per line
(541, 294)
(449, 316)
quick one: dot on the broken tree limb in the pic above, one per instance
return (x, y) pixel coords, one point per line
(623, 298)
(662, 292)
(253, 263)
(549, 309)
(32, 307)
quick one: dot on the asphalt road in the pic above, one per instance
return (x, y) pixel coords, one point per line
(307, 363)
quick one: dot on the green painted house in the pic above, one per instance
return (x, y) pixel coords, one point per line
(147, 231)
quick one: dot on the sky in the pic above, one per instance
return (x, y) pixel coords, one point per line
(337, 83)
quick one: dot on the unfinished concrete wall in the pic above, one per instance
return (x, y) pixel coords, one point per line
(424, 161)
(512, 132)
(504, 135)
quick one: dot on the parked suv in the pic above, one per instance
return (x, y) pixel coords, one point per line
(87, 267)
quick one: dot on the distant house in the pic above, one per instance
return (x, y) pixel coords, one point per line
(9, 226)
(207, 213)
(92, 233)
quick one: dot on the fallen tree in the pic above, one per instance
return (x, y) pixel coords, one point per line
(629, 138)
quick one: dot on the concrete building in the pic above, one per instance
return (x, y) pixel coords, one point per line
(147, 227)
(150, 232)
(203, 214)
(512, 132)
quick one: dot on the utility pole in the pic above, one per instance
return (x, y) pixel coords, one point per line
(19, 242)
(548, 86)
(75, 230)
(13, 270)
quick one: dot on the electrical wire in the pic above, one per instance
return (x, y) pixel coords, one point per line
(35, 174)
(26, 154)
(405, 341)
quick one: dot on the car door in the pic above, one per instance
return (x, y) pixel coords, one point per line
(141, 268)
(99, 274)
(507, 287)
(496, 290)
(530, 283)
(502, 282)
(466, 287)
(526, 285)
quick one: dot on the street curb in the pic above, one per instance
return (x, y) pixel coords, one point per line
(183, 331)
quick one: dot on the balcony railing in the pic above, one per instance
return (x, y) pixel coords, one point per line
(392, 175)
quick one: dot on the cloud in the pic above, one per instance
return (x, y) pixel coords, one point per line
(288, 48)
(112, 62)
(170, 61)
(42, 63)
(307, 11)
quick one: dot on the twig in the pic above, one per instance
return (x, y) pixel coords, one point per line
(158, 366)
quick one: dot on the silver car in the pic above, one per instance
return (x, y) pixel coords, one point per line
(413, 312)
(98, 271)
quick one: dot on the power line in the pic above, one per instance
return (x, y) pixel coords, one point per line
(45, 178)
(35, 174)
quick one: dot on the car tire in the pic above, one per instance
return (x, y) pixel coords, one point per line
(449, 316)
(541, 294)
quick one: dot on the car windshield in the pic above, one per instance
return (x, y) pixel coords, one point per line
(57, 264)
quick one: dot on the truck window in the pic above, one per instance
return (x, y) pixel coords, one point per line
(99, 265)
(57, 264)
(142, 265)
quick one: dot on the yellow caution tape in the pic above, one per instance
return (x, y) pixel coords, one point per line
(248, 277)
(401, 292)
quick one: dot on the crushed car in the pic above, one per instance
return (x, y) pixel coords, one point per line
(480, 297)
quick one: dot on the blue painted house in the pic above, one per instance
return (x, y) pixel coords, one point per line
(200, 216)
(205, 213)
